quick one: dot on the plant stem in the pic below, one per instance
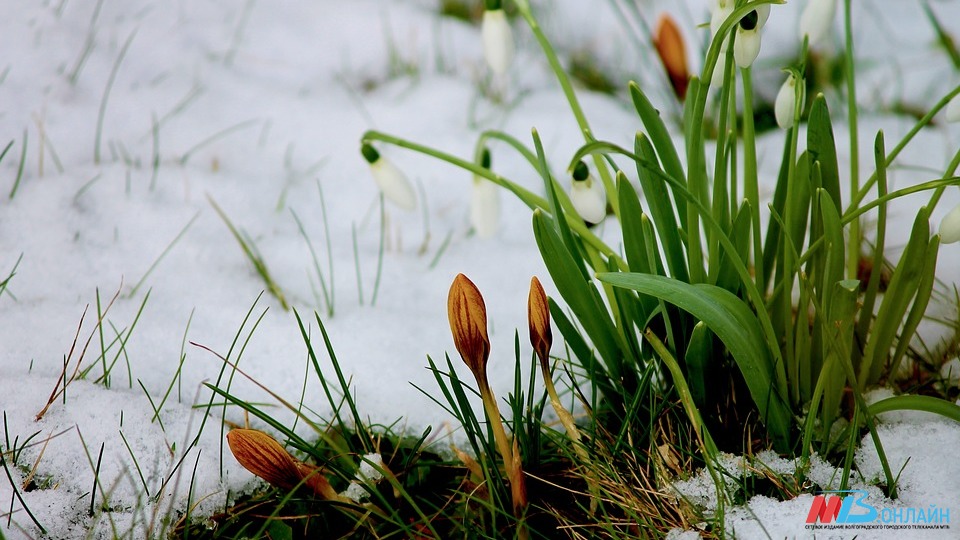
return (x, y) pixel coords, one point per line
(853, 253)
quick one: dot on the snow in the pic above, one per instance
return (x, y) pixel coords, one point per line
(252, 105)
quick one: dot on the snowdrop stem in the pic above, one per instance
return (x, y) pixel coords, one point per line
(950, 171)
(751, 184)
(853, 252)
(523, 7)
(532, 200)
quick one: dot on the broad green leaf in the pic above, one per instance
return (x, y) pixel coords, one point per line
(728, 278)
(736, 326)
(876, 271)
(841, 319)
(658, 133)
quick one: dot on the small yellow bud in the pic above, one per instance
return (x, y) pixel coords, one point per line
(468, 324)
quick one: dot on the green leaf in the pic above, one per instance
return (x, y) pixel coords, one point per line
(736, 326)
(901, 290)
(917, 403)
(822, 147)
(657, 131)
(661, 209)
(699, 350)
(579, 293)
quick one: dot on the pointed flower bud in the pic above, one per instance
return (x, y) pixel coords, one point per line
(538, 318)
(783, 107)
(746, 47)
(497, 38)
(262, 455)
(587, 195)
(485, 203)
(953, 109)
(673, 54)
(391, 181)
(950, 227)
(468, 324)
(816, 20)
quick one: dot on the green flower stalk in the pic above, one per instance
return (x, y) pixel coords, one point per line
(468, 324)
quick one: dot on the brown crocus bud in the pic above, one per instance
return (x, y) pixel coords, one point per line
(262, 455)
(538, 317)
(673, 55)
(468, 324)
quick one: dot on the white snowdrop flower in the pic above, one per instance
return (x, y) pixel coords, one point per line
(587, 195)
(719, 12)
(485, 203)
(391, 181)
(746, 47)
(497, 38)
(953, 109)
(783, 107)
(950, 227)
(817, 20)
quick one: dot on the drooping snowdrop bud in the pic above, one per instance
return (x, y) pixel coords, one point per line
(817, 19)
(953, 109)
(950, 227)
(391, 181)
(497, 38)
(485, 203)
(718, 13)
(587, 195)
(747, 44)
(716, 80)
(785, 104)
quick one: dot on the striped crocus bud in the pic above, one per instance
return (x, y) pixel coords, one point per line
(587, 195)
(783, 107)
(263, 456)
(485, 202)
(538, 318)
(746, 47)
(950, 227)
(391, 181)
(497, 38)
(817, 20)
(468, 324)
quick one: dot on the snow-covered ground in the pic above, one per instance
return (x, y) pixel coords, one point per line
(136, 116)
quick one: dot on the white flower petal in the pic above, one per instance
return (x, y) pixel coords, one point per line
(763, 13)
(953, 109)
(746, 47)
(394, 184)
(721, 10)
(497, 40)
(485, 207)
(816, 21)
(950, 227)
(589, 199)
(783, 107)
(716, 80)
